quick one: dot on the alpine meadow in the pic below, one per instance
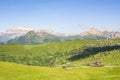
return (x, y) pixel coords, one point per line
(59, 40)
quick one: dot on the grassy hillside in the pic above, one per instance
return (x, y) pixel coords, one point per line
(41, 54)
(107, 58)
(81, 54)
(55, 53)
(13, 71)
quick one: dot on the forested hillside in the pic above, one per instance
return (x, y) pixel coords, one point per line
(61, 52)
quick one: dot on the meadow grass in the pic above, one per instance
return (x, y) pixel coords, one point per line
(77, 71)
(12, 71)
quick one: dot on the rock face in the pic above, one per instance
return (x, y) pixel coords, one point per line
(107, 34)
(111, 34)
(92, 31)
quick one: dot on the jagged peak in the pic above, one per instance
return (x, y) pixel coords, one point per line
(93, 30)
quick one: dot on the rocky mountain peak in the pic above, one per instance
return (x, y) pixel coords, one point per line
(93, 30)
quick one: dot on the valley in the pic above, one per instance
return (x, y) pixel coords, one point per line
(44, 61)
(59, 39)
(26, 58)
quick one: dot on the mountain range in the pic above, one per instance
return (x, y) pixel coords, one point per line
(25, 35)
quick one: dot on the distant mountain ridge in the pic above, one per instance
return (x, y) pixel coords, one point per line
(25, 35)
(30, 38)
(33, 37)
(13, 33)
(38, 38)
(107, 34)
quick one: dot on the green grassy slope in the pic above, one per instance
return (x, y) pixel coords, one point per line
(105, 51)
(108, 58)
(11, 71)
(42, 48)
(41, 54)
(51, 53)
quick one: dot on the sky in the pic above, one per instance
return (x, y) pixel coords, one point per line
(67, 16)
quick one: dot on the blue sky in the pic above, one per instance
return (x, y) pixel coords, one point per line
(68, 16)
